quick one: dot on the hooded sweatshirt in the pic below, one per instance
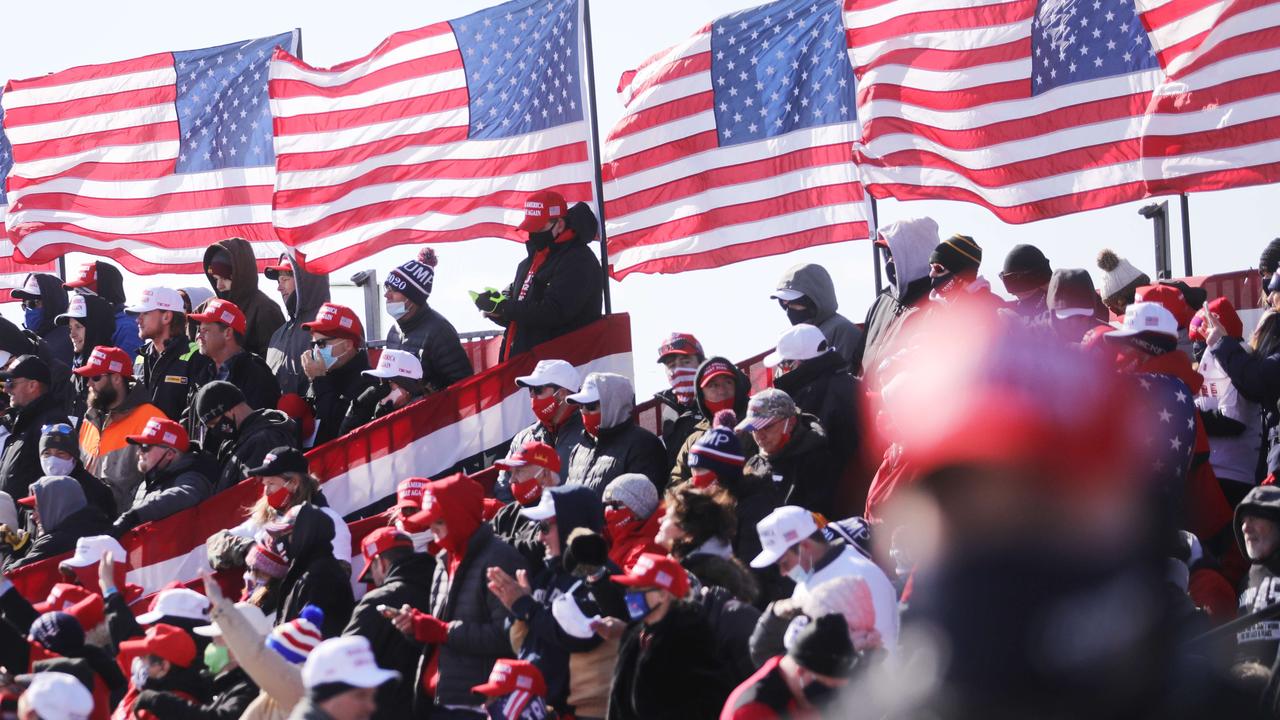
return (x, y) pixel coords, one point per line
(680, 470)
(262, 315)
(315, 577)
(910, 243)
(623, 446)
(65, 517)
(815, 282)
(1262, 589)
(99, 325)
(290, 340)
(110, 287)
(53, 302)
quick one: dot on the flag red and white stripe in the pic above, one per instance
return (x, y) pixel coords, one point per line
(947, 111)
(678, 198)
(96, 150)
(392, 148)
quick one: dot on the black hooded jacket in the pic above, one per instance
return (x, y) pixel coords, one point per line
(261, 314)
(315, 576)
(408, 583)
(261, 432)
(1261, 641)
(53, 302)
(99, 325)
(290, 340)
(110, 287)
(20, 459)
(233, 690)
(332, 394)
(825, 388)
(565, 292)
(680, 470)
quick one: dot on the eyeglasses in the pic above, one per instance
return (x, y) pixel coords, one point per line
(542, 390)
(325, 342)
(32, 304)
(591, 407)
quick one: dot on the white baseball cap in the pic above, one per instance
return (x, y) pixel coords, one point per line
(397, 363)
(552, 372)
(781, 529)
(76, 308)
(89, 550)
(800, 342)
(30, 289)
(177, 603)
(58, 696)
(347, 660)
(544, 510)
(252, 614)
(158, 298)
(786, 295)
(589, 393)
(1146, 317)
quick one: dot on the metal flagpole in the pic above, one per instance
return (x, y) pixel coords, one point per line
(595, 148)
(875, 251)
(1186, 233)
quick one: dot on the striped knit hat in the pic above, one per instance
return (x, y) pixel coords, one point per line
(719, 449)
(959, 253)
(261, 558)
(413, 280)
(296, 639)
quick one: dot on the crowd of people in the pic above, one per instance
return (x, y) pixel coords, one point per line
(1057, 506)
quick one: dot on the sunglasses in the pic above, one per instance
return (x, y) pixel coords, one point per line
(325, 342)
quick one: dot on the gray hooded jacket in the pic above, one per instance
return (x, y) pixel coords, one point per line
(623, 446)
(910, 243)
(290, 340)
(815, 283)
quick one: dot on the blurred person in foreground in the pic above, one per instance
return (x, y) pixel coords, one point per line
(1039, 586)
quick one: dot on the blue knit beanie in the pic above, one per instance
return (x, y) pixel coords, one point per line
(719, 449)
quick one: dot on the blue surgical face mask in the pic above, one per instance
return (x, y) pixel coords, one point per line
(326, 354)
(637, 605)
(397, 309)
(31, 318)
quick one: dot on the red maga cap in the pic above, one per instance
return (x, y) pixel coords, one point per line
(338, 321)
(161, 431)
(541, 207)
(222, 311)
(106, 359)
(532, 453)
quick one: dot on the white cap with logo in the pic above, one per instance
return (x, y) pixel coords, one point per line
(397, 363)
(177, 603)
(348, 660)
(801, 342)
(158, 298)
(780, 530)
(552, 372)
(89, 550)
(58, 696)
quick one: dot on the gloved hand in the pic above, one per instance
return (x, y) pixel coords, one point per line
(488, 301)
(126, 522)
(429, 628)
(16, 539)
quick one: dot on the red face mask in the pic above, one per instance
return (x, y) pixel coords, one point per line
(278, 500)
(704, 480)
(591, 422)
(544, 408)
(527, 492)
(715, 407)
(616, 520)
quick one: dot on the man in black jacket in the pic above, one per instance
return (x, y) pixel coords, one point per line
(906, 245)
(419, 328)
(558, 423)
(613, 444)
(335, 365)
(794, 453)
(1257, 527)
(236, 434)
(174, 479)
(221, 338)
(43, 300)
(232, 271)
(63, 516)
(559, 287)
(534, 468)
(169, 360)
(681, 355)
(396, 382)
(31, 407)
(315, 576)
(398, 577)
(303, 293)
(60, 455)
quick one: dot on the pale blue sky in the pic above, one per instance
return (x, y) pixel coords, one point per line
(727, 308)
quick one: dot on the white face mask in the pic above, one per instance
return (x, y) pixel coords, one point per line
(570, 616)
(420, 540)
(797, 573)
(54, 465)
(397, 309)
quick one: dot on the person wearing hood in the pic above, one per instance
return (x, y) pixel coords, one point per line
(559, 286)
(192, 298)
(396, 382)
(238, 436)
(698, 529)
(59, 449)
(1073, 304)
(466, 630)
(43, 300)
(315, 576)
(303, 294)
(419, 328)
(953, 273)
(1257, 531)
(105, 281)
(62, 515)
(1120, 281)
(117, 409)
(906, 245)
(794, 453)
(221, 338)
(14, 541)
(719, 385)
(612, 443)
(1026, 276)
(680, 355)
(631, 519)
(169, 363)
(576, 662)
(232, 270)
(336, 365)
(90, 325)
(534, 468)
(557, 423)
(174, 476)
(31, 407)
(398, 577)
(807, 294)
(1233, 421)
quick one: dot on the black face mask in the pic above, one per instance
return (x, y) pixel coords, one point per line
(291, 303)
(541, 239)
(938, 283)
(891, 272)
(818, 694)
(801, 314)
(219, 434)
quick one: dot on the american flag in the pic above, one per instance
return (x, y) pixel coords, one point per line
(12, 273)
(735, 144)
(148, 160)
(439, 134)
(1170, 434)
(1039, 109)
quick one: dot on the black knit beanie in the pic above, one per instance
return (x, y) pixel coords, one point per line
(1025, 268)
(959, 253)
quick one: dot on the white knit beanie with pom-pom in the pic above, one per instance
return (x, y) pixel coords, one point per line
(1118, 274)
